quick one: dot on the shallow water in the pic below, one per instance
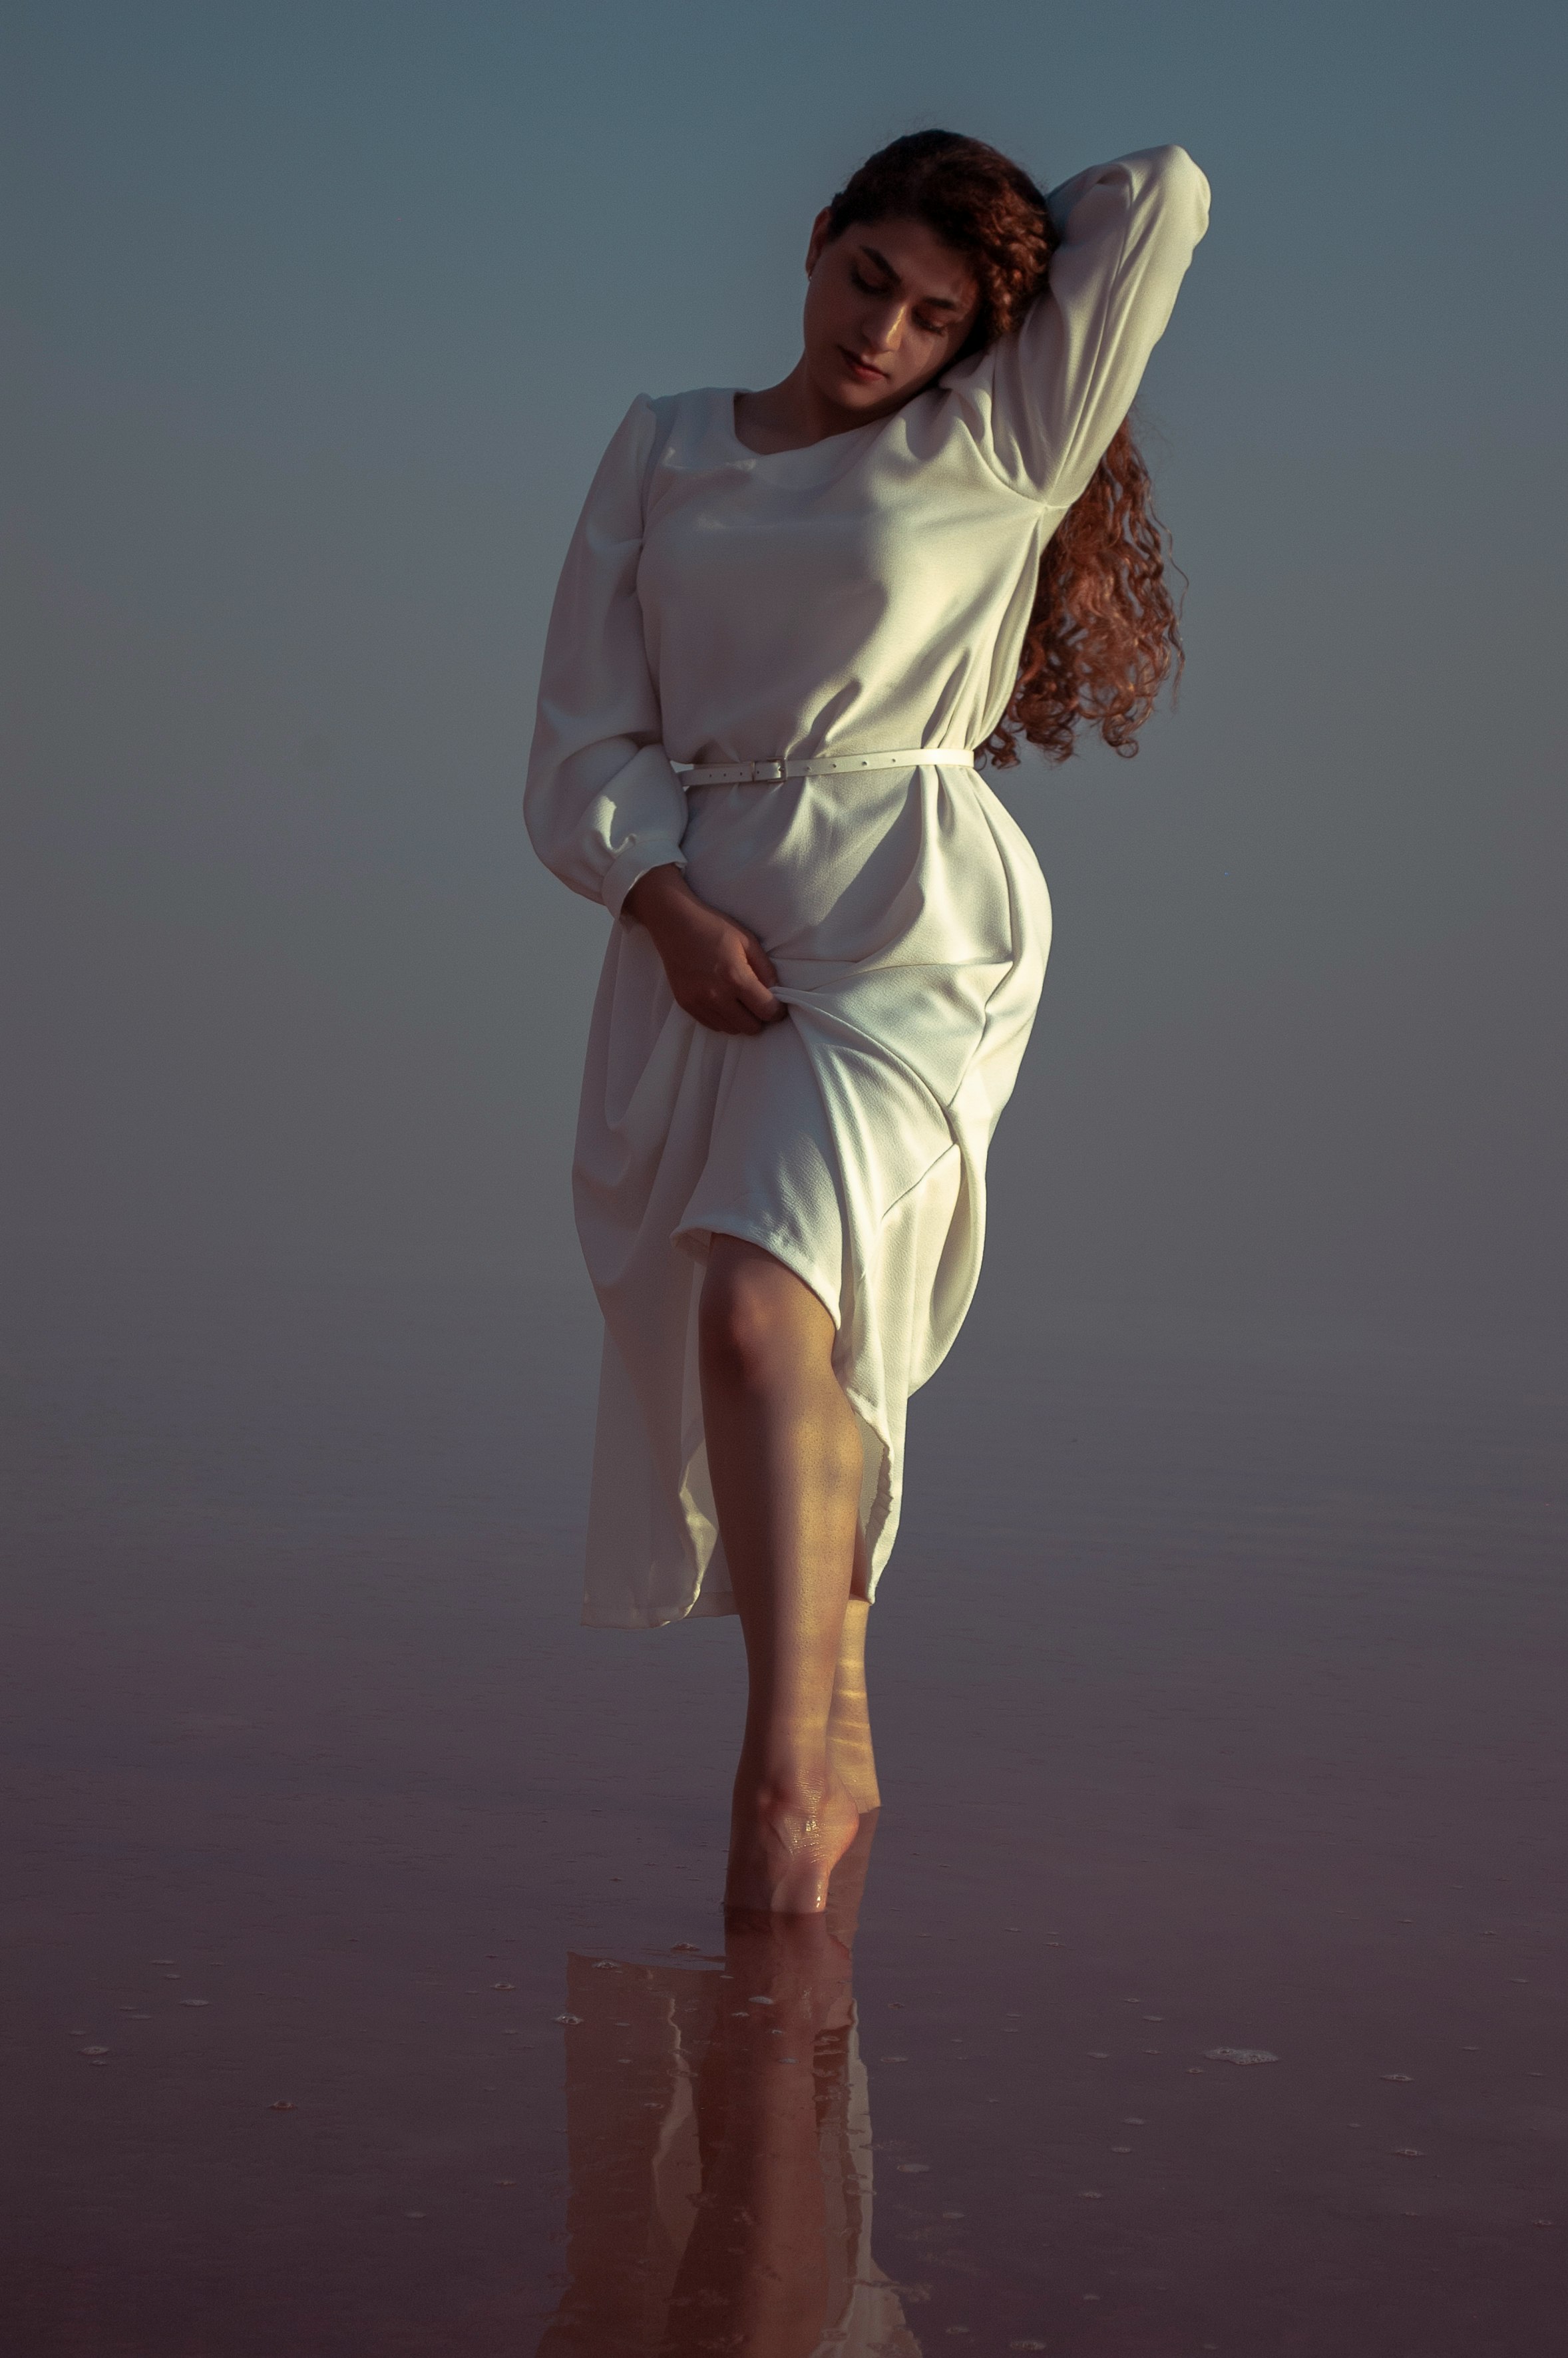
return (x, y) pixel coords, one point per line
(1218, 1700)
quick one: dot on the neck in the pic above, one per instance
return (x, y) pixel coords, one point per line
(794, 413)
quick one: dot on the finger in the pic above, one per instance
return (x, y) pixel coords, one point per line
(759, 961)
(720, 1014)
(756, 996)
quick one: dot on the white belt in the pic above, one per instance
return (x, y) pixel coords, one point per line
(816, 765)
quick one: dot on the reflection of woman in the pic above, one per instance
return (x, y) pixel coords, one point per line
(786, 621)
(721, 2153)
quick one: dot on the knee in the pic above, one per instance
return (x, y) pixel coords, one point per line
(739, 1328)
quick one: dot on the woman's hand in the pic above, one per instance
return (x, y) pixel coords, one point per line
(718, 972)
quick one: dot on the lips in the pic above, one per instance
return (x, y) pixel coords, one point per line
(865, 371)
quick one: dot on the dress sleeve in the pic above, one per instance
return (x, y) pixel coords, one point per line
(1061, 385)
(602, 805)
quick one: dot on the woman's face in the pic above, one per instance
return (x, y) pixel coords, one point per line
(888, 307)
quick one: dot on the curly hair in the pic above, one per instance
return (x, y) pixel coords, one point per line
(1103, 637)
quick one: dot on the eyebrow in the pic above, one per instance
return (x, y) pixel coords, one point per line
(930, 302)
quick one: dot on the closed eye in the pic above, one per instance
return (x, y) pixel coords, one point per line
(927, 327)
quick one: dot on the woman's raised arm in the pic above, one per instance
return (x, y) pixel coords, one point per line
(1061, 387)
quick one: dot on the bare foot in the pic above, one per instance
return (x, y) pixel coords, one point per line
(847, 1886)
(783, 1849)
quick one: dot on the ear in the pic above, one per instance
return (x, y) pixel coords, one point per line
(819, 240)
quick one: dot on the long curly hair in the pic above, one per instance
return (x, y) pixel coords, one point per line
(1103, 636)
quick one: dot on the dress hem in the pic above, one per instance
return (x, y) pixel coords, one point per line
(700, 1610)
(764, 1242)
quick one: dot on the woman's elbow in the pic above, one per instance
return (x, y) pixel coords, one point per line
(1183, 186)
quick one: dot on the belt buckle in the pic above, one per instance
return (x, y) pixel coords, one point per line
(767, 774)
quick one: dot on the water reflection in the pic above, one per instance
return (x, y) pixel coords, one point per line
(719, 2124)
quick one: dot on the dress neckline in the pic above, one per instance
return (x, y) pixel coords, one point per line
(726, 397)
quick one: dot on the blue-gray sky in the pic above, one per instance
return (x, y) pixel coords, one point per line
(319, 317)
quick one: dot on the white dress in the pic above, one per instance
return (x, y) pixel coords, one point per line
(867, 594)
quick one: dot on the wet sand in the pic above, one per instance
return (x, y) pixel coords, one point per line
(1218, 1698)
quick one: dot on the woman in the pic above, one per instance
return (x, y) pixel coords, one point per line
(787, 623)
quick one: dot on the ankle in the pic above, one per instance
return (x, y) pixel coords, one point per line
(784, 1795)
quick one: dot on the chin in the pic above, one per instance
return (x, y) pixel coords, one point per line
(834, 383)
(853, 393)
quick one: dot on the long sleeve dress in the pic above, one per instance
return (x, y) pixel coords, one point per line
(869, 593)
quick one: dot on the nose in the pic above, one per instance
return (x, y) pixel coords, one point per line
(885, 327)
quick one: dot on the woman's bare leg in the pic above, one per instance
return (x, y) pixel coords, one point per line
(849, 1719)
(783, 1455)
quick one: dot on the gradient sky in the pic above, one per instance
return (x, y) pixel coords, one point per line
(319, 316)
